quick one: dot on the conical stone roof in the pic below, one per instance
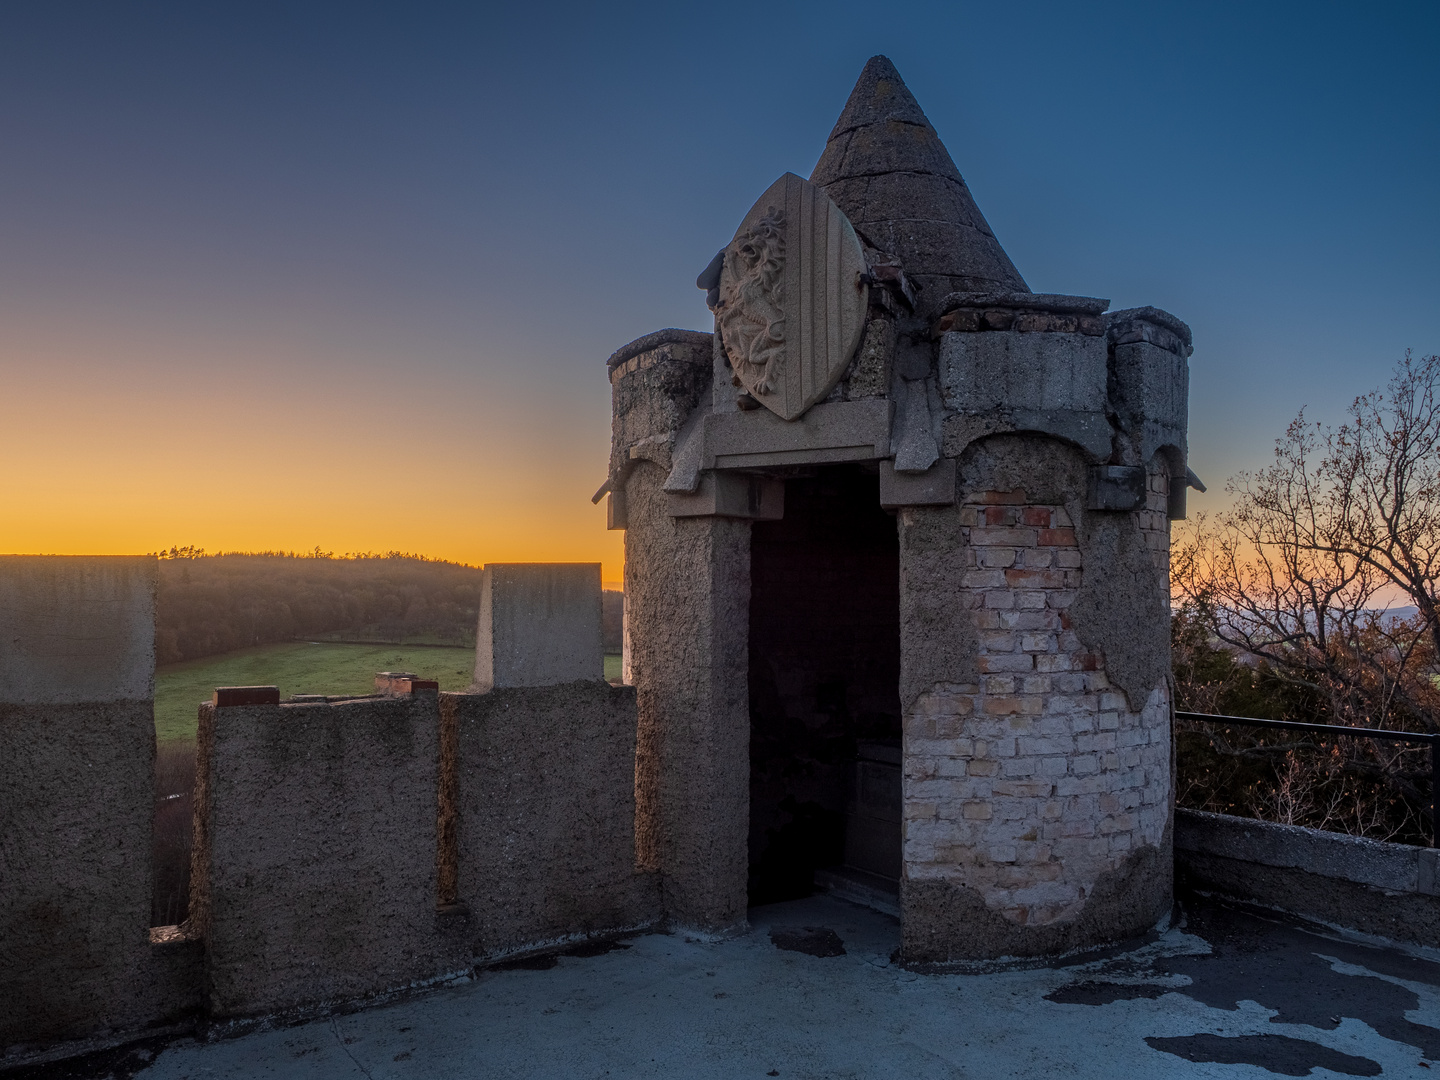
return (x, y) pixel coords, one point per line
(885, 166)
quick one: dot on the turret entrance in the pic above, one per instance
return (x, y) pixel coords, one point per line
(824, 673)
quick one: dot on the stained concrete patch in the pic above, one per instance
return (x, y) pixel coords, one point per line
(716, 1009)
(810, 940)
(1104, 993)
(1275, 1053)
(1304, 976)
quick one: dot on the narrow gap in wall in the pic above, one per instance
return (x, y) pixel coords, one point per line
(824, 687)
(173, 831)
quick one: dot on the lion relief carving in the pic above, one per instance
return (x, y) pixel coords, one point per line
(750, 315)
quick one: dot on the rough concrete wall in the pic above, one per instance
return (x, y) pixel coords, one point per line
(1036, 795)
(1363, 885)
(1123, 602)
(77, 759)
(687, 584)
(545, 802)
(318, 851)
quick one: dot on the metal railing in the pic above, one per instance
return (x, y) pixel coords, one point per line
(1433, 741)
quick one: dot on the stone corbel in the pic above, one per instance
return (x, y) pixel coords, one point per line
(748, 496)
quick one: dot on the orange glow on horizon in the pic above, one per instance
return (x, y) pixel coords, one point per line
(109, 452)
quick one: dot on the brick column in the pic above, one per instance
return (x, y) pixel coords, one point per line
(1037, 793)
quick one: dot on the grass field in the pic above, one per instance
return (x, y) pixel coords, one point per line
(304, 668)
(297, 668)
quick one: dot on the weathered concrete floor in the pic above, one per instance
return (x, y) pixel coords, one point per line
(1225, 994)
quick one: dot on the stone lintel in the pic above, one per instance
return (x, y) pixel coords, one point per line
(830, 432)
(934, 487)
(733, 495)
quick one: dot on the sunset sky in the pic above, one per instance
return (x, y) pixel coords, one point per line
(287, 275)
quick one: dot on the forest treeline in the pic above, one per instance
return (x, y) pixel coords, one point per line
(209, 604)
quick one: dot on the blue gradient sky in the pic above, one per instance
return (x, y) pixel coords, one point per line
(347, 275)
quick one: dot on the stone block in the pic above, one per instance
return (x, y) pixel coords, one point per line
(615, 517)
(1116, 487)
(1014, 381)
(76, 629)
(933, 487)
(539, 625)
(1153, 391)
(400, 683)
(732, 495)
(834, 431)
(230, 697)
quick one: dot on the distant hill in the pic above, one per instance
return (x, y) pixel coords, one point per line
(210, 604)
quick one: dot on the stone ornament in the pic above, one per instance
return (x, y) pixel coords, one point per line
(793, 296)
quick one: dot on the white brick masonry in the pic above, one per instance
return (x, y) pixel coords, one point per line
(1032, 783)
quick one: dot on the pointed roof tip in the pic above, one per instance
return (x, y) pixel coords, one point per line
(884, 165)
(879, 94)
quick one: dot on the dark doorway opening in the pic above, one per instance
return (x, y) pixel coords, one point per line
(824, 685)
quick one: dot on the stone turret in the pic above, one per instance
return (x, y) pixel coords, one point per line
(896, 568)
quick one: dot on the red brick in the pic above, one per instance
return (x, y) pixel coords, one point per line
(1036, 515)
(1013, 498)
(233, 696)
(1057, 538)
(1002, 515)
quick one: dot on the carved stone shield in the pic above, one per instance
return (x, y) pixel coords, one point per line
(792, 297)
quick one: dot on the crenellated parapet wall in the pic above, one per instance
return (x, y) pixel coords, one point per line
(315, 857)
(78, 959)
(346, 849)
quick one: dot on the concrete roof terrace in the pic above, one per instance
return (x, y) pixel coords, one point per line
(1222, 993)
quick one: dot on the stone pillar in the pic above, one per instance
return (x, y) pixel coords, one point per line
(687, 584)
(687, 605)
(1035, 656)
(77, 796)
